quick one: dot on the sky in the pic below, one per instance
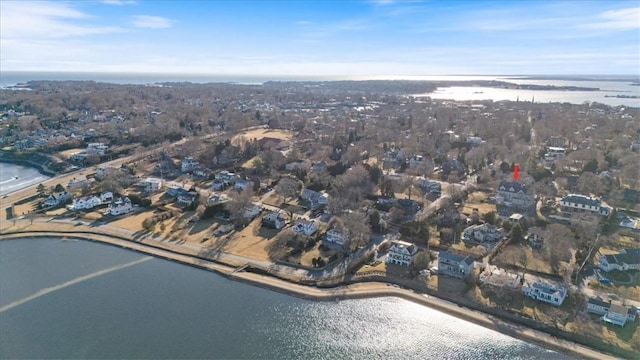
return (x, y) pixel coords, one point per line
(324, 38)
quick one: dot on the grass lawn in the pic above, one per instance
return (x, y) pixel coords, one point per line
(262, 133)
(307, 257)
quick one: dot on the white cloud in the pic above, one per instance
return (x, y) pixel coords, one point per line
(118, 2)
(27, 20)
(152, 22)
(622, 19)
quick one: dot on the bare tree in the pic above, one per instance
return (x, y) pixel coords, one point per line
(289, 188)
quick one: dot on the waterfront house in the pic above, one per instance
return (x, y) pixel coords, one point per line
(273, 220)
(151, 185)
(454, 265)
(56, 198)
(617, 315)
(305, 227)
(553, 294)
(120, 206)
(581, 203)
(401, 253)
(335, 237)
(85, 203)
(620, 314)
(626, 259)
(597, 306)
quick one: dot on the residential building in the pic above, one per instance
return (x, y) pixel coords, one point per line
(335, 237)
(305, 227)
(242, 184)
(251, 211)
(85, 203)
(598, 306)
(617, 315)
(151, 185)
(319, 166)
(626, 259)
(273, 220)
(294, 165)
(120, 206)
(188, 164)
(186, 198)
(415, 160)
(225, 177)
(401, 253)
(581, 203)
(514, 195)
(97, 148)
(553, 294)
(216, 199)
(482, 233)
(494, 276)
(106, 196)
(454, 265)
(313, 199)
(56, 198)
(535, 237)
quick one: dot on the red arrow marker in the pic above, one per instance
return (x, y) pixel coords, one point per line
(515, 172)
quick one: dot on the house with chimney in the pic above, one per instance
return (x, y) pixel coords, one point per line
(584, 204)
(624, 260)
(401, 253)
(454, 265)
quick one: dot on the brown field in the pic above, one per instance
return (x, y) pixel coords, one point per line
(262, 133)
(475, 251)
(252, 241)
(475, 200)
(536, 260)
(66, 153)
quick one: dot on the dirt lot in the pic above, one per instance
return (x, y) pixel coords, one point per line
(253, 241)
(514, 254)
(477, 200)
(262, 133)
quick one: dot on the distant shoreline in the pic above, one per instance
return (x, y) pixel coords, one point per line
(340, 292)
(29, 164)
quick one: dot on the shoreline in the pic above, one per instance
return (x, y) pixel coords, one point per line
(361, 290)
(28, 164)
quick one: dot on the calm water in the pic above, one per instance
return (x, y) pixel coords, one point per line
(77, 299)
(14, 177)
(610, 85)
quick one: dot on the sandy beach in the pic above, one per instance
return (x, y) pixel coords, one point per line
(353, 291)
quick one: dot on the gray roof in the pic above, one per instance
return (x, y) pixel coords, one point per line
(455, 257)
(511, 186)
(581, 199)
(598, 302)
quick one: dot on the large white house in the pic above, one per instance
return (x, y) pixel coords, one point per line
(553, 294)
(613, 313)
(577, 202)
(85, 203)
(273, 220)
(401, 253)
(188, 164)
(482, 233)
(314, 199)
(305, 227)
(56, 198)
(97, 148)
(151, 185)
(455, 265)
(625, 259)
(513, 194)
(335, 237)
(120, 206)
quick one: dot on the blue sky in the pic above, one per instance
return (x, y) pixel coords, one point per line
(324, 38)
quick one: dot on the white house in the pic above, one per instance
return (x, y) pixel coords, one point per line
(85, 203)
(401, 253)
(314, 199)
(56, 199)
(216, 198)
(188, 164)
(186, 198)
(97, 148)
(614, 313)
(273, 220)
(226, 177)
(454, 265)
(242, 184)
(251, 211)
(553, 294)
(305, 227)
(106, 196)
(617, 315)
(512, 194)
(151, 185)
(335, 237)
(482, 233)
(120, 206)
(626, 259)
(577, 202)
